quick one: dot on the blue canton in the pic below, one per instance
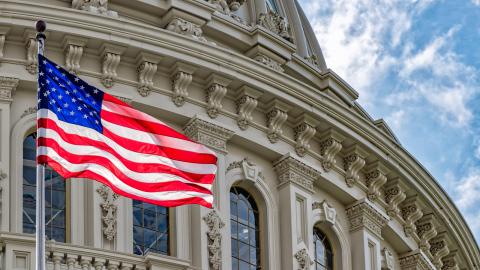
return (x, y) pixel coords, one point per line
(68, 96)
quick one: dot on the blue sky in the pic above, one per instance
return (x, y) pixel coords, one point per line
(415, 63)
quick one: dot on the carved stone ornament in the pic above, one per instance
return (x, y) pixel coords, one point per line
(147, 65)
(32, 54)
(186, 28)
(182, 76)
(94, 6)
(216, 90)
(394, 195)
(330, 146)
(388, 261)
(207, 133)
(328, 214)
(246, 103)
(439, 249)
(109, 211)
(426, 230)
(3, 34)
(30, 110)
(375, 178)
(415, 261)
(312, 59)
(304, 132)
(215, 224)
(269, 62)
(8, 85)
(353, 162)
(111, 59)
(303, 259)
(227, 7)
(276, 23)
(411, 212)
(450, 262)
(363, 215)
(291, 170)
(276, 118)
(250, 171)
(73, 48)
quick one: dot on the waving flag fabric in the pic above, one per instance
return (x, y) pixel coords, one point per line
(86, 133)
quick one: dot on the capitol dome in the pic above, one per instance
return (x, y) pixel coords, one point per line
(307, 179)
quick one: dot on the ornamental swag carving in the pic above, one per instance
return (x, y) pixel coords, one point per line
(303, 259)
(276, 23)
(109, 211)
(94, 6)
(215, 224)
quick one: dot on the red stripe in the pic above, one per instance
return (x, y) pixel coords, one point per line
(171, 153)
(91, 175)
(106, 163)
(138, 167)
(142, 125)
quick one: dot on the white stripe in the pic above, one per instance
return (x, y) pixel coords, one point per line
(126, 153)
(83, 150)
(148, 137)
(108, 175)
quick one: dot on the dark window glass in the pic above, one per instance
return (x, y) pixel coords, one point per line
(244, 230)
(323, 251)
(271, 5)
(150, 228)
(55, 196)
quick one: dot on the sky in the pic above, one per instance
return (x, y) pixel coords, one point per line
(416, 64)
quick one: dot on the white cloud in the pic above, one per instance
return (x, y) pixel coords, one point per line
(396, 119)
(468, 199)
(476, 2)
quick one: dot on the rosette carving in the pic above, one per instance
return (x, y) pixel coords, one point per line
(411, 213)
(330, 146)
(375, 178)
(276, 118)
(353, 162)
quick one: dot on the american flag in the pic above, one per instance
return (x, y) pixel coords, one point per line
(86, 133)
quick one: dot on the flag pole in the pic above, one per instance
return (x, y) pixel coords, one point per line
(40, 210)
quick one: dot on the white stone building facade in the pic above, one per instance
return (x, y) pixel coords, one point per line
(307, 179)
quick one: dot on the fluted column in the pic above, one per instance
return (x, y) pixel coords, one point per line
(296, 226)
(366, 224)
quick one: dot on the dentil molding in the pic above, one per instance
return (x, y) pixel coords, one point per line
(363, 215)
(208, 133)
(292, 170)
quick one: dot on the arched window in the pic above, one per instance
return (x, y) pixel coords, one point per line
(150, 228)
(244, 230)
(323, 251)
(271, 5)
(55, 196)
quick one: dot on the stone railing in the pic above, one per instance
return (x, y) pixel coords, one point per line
(18, 252)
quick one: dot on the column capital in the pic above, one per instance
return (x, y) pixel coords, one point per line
(208, 133)
(8, 85)
(415, 260)
(364, 214)
(292, 170)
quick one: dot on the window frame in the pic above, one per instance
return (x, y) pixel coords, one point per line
(327, 247)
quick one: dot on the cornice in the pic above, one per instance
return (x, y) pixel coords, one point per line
(364, 215)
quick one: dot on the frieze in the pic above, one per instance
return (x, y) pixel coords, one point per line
(269, 62)
(207, 133)
(291, 170)
(364, 215)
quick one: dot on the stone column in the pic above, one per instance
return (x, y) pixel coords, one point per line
(366, 223)
(7, 89)
(296, 225)
(206, 239)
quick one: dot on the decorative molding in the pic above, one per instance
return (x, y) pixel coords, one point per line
(216, 90)
(31, 52)
(304, 132)
(439, 249)
(109, 213)
(312, 59)
(215, 225)
(207, 133)
(227, 7)
(96, 7)
(250, 171)
(186, 28)
(388, 261)
(330, 146)
(353, 162)
(291, 170)
(328, 213)
(111, 55)
(394, 195)
(303, 259)
(276, 23)
(450, 262)
(277, 115)
(415, 261)
(8, 86)
(426, 230)
(375, 178)
(147, 65)
(246, 103)
(28, 111)
(182, 76)
(411, 212)
(364, 215)
(269, 62)
(73, 47)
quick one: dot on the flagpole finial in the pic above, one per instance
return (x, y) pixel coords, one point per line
(41, 26)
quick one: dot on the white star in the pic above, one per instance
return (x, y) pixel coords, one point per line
(91, 114)
(85, 105)
(38, 90)
(61, 85)
(75, 91)
(45, 62)
(93, 102)
(47, 81)
(96, 122)
(53, 101)
(76, 79)
(63, 75)
(65, 105)
(72, 113)
(68, 82)
(50, 70)
(60, 96)
(57, 66)
(74, 100)
(53, 89)
(88, 95)
(48, 92)
(82, 87)
(41, 73)
(58, 109)
(45, 94)
(67, 92)
(95, 91)
(56, 78)
(85, 116)
(39, 100)
(79, 108)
